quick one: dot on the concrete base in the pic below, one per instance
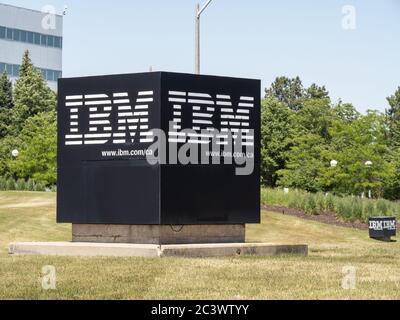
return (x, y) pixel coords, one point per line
(135, 250)
(158, 235)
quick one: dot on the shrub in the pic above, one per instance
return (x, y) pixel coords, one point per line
(382, 207)
(39, 187)
(20, 185)
(10, 185)
(3, 184)
(357, 209)
(347, 208)
(330, 203)
(369, 210)
(311, 205)
(30, 185)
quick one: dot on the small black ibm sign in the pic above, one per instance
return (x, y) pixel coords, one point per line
(382, 227)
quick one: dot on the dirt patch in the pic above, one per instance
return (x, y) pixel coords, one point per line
(324, 217)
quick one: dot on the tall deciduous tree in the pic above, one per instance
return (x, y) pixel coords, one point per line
(393, 118)
(31, 94)
(37, 144)
(277, 132)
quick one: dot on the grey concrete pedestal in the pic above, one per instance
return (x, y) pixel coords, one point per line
(159, 235)
(68, 249)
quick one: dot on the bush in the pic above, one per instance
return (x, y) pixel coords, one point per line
(347, 208)
(39, 187)
(382, 207)
(369, 210)
(30, 185)
(357, 209)
(3, 184)
(20, 185)
(330, 203)
(10, 185)
(311, 205)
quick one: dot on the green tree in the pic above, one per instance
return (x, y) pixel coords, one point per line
(31, 95)
(305, 163)
(317, 92)
(277, 131)
(289, 92)
(38, 150)
(315, 117)
(353, 144)
(393, 118)
(346, 112)
(6, 104)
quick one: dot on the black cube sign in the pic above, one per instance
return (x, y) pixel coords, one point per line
(382, 228)
(158, 149)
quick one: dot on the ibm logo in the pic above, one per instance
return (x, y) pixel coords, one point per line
(205, 113)
(132, 125)
(133, 122)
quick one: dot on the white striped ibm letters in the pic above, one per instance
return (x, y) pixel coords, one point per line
(133, 122)
(234, 119)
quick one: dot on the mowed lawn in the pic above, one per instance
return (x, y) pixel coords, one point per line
(31, 217)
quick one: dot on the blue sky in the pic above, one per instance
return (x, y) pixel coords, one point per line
(255, 39)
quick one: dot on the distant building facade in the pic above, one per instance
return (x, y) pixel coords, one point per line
(24, 29)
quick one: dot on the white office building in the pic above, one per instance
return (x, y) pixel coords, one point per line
(41, 33)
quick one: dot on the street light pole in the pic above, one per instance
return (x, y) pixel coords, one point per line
(199, 11)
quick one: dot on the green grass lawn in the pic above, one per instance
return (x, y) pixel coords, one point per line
(31, 217)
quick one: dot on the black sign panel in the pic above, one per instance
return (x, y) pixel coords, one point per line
(382, 227)
(127, 150)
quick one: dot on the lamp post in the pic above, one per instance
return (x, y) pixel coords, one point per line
(199, 11)
(15, 154)
(369, 164)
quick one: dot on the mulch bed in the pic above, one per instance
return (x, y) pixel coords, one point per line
(324, 217)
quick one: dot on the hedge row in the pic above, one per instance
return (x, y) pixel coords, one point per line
(9, 184)
(347, 208)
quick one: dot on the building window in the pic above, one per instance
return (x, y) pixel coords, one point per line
(2, 33)
(50, 41)
(9, 69)
(43, 40)
(30, 37)
(9, 33)
(57, 42)
(36, 38)
(23, 36)
(14, 69)
(16, 35)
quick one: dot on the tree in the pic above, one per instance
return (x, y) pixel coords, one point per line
(289, 92)
(6, 104)
(31, 95)
(277, 131)
(346, 112)
(315, 117)
(305, 163)
(317, 92)
(393, 118)
(353, 144)
(37, 144)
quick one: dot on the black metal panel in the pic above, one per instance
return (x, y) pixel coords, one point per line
(209, 194)
(382, 227)
(103, 175)
(100, 179)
